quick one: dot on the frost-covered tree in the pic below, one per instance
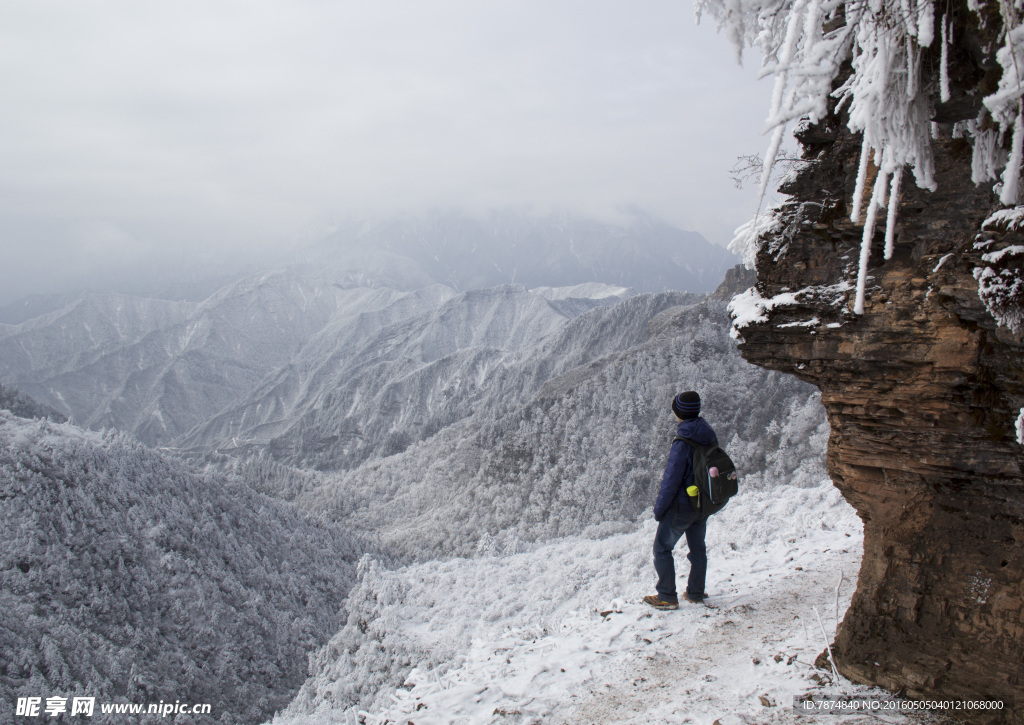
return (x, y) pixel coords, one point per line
(26, 407)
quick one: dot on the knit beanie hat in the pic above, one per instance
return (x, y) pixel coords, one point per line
(686, 405)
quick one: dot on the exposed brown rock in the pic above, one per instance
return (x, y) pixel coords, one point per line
(737, 279)
(922, 393)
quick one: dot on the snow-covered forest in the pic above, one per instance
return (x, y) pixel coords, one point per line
(127, 576)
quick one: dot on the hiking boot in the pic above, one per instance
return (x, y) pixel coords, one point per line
(657, 602)
(694, 598)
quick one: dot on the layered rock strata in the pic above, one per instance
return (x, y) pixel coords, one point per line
(923, 392)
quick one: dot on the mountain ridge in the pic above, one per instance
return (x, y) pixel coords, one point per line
(159, 368)
(427, 368)
(467, 251)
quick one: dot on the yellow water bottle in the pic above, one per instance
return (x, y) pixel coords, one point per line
(694, 493)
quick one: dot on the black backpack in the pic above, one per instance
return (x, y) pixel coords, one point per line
(713, 493)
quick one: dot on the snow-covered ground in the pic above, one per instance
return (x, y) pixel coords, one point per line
(558, 634)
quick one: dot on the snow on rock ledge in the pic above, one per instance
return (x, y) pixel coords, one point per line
(750, 308)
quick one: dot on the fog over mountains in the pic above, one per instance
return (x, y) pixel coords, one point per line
(412, 251)
(158, 368)
(474, 252)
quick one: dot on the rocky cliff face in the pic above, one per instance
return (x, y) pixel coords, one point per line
(923, 393)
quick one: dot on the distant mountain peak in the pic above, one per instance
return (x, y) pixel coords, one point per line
(558, 249)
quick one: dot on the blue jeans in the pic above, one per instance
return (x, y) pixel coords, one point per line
(680, 519)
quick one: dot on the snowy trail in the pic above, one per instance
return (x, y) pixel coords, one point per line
(558, 634)
(639, 665)
(738, 649)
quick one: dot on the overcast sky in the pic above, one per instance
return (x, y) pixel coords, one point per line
(134, 127)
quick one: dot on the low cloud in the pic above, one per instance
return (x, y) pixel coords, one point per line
(231, 125)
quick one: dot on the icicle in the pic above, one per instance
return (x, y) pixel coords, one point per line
(908, 18)
(734, 26)
(1011, 176)
(880, 193)
(988, 156)
(890, 219)
(944, 60)
(865, 244)
(812, 26)
(769, 161)
(781, 75)
(862, 173)
(911, 71)
(883, 161)
(786, 56)
(925, 23)
(979, 159)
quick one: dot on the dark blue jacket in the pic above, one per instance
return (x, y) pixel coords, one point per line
(679, 470)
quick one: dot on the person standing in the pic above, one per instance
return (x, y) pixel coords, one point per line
(674, 512)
